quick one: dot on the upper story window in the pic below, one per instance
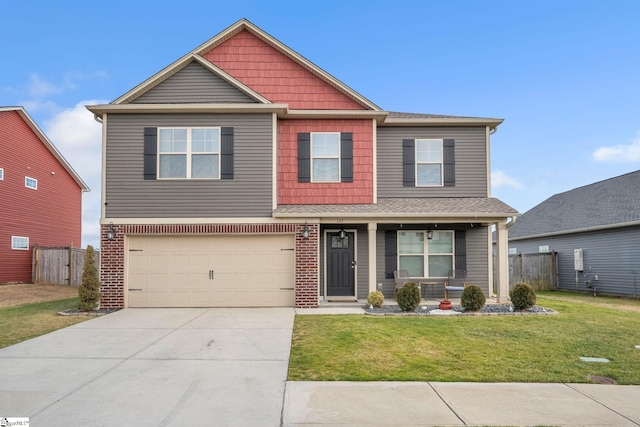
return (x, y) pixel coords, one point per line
(189, 153)
(424, 257)
(428, 162)
(1, 174)
(19, 243)
(325, 157)
(30, 182)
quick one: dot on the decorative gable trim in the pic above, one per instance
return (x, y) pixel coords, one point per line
(180, 64)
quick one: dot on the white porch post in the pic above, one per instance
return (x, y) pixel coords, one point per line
(502, 262)
(372, 228)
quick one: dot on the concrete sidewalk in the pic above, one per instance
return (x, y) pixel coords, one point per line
(456, 404)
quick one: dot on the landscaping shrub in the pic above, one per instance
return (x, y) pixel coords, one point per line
(376, 299)
(408, 296)
(89, 291)
(472, 298)
(523, 296)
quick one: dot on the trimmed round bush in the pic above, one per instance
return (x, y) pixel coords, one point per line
(523, 296)
(472, 298)
(376, 299)
(408, 297)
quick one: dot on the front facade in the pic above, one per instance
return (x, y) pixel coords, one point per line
(244, 175)
(595, 231)
(41, 195)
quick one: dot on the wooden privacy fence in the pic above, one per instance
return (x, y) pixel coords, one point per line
(539, 270)
(59, 266)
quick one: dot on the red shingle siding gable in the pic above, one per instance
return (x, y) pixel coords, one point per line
(48, 216)
(292, 192)
(275, 76)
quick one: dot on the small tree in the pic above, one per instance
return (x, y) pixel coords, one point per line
(89, 291)
(408, 296)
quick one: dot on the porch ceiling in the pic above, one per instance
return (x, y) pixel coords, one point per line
(446, 208)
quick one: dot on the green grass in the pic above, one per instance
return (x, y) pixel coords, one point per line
(27, 321)
(471, 348)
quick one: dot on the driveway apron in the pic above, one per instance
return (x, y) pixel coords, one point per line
(153, 367)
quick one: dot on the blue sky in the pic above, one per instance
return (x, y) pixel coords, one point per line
(563, 74)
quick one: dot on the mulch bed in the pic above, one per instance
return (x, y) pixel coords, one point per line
(433, 310)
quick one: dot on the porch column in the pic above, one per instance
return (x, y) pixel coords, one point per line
(502, 262)
(372, 228)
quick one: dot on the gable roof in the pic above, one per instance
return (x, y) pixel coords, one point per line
(245, 25)
(614, 202)
(48, 144)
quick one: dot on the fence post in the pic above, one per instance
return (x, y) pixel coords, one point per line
(35, 271)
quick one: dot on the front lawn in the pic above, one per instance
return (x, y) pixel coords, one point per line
(530, 348)
(27, 321)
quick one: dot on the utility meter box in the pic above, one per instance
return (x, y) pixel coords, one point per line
(578, 260)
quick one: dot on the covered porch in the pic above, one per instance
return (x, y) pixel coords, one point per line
(359, 246)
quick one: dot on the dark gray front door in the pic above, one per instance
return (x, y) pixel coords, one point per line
(340, 265)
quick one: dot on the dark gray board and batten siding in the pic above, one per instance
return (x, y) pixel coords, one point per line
(470, 161)
(613, 255)
(194, 84)
(248, 194)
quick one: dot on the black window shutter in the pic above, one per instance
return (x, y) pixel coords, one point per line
(390, 253)
(226, 153)
(449, 157)
(346, 156)
(409, 162)
(461, 250)
(304, 157)
(150, 153)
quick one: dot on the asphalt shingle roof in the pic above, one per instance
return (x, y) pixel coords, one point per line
(605, 203)
(458, 206)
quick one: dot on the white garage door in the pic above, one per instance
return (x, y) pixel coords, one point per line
(211, 271)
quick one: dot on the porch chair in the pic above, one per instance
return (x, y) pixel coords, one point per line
(456, 281)
(400, 277)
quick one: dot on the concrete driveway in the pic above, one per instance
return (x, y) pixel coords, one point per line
(153, 367)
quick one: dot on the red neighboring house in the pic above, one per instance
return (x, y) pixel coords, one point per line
(41, 195)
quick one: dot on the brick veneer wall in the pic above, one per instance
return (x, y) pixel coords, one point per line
(112, 255)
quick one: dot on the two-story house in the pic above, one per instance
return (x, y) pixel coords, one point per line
(242, 174)
(40, 195)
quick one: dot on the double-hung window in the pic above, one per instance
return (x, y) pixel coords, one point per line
(424, 257)
(429, 162)
(325, 157)
(20, 243)
(189, 153)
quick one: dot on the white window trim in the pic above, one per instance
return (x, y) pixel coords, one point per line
(441, 162)
(26, 180)
(14, 246)
(425, 254)
(189, 153)
(1, 174)
(339, 157)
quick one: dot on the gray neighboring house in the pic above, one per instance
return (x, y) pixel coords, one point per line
(595, 230)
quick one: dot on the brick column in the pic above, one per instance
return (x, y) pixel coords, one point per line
(307, 267)
(112, 268)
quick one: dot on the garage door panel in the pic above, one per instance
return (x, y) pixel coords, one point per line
(246, 271)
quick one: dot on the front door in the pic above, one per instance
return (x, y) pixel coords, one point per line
(341, 265)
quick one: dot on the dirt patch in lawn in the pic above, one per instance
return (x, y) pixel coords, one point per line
(28, 293)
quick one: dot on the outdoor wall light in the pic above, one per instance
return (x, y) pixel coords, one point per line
(305, 231)
(111, 232)
(342, 234)
(429, 233)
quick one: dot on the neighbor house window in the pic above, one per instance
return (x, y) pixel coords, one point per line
(30, 182)
(513, 251)
(1, 174)
(428, 162)
(325, 157)
(20, 243)
(423, 257)
(189, 153)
